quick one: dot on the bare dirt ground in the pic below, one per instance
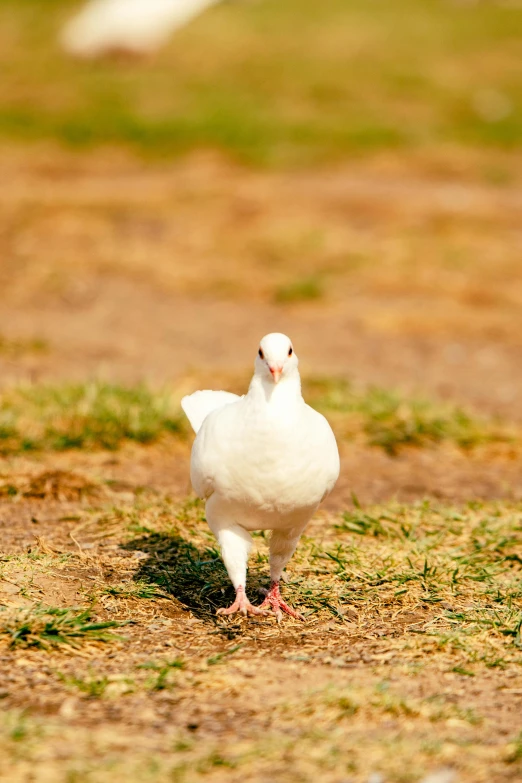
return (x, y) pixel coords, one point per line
(391, 274)
(135, 272)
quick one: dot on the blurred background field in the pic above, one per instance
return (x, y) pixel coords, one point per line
(278, 83)
(350, 173)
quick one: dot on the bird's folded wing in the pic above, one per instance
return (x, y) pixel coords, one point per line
(197, 406)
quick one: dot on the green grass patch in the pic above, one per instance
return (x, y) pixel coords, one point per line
(150, 676)
(514, 750)
(275, 82)
(49, 627)
(139, 590)
(304, 290)
(161, 680)
(14, 348)
(104, 416)
(84, 416)
(392, 421)
(93, 687)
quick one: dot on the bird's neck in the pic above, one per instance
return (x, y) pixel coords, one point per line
(263, 391)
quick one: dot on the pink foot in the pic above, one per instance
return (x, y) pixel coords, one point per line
(275, 602)
(242, 605)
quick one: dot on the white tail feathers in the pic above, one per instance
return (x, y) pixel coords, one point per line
(197, 406)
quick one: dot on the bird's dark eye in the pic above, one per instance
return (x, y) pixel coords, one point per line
(261, 354)
(290, 351)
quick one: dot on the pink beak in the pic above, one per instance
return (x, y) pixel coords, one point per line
(276, 373)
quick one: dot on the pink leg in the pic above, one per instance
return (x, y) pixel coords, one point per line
(242, 605)
(275, 602)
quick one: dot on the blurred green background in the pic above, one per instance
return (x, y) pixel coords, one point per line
(276, 81)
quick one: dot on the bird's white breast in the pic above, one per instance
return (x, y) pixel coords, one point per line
(263, 464)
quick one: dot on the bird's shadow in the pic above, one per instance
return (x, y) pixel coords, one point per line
(196, 577)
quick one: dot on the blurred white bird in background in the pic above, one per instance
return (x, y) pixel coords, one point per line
(136, 27)
(264, 461)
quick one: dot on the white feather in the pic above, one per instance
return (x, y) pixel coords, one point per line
(135, 26)
(198, 405)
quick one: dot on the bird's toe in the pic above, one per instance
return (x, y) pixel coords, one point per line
(274, 601)
(243, 606)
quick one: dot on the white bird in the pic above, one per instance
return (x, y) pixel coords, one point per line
(134, 26)
(264, 461)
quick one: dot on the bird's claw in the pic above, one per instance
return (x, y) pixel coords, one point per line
(275, 602)
(242, 605)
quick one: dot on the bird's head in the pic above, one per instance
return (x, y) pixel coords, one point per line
(276, 357)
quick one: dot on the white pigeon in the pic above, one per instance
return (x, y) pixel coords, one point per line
(264, 461)
(134, 26)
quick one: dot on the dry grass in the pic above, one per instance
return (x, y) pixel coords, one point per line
(50, 485)
(461, 566)
(413, 625)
